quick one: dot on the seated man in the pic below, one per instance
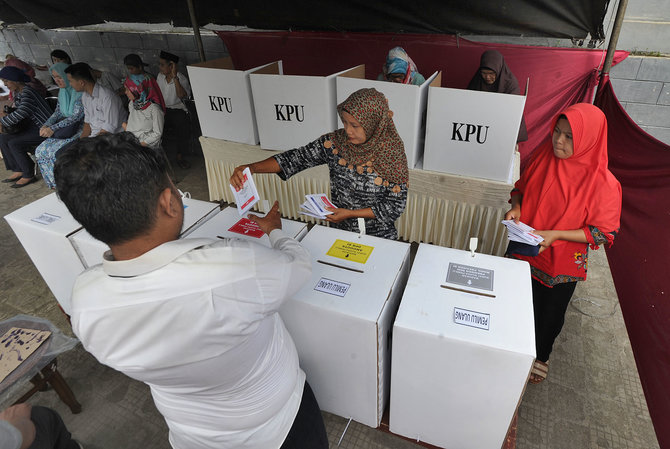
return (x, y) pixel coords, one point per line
(103, 109)
(23, 426)
(195, 319)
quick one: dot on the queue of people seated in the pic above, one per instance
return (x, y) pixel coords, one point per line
(90, 102)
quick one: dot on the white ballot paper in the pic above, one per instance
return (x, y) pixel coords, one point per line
(315, 206)
(521, 232)
(247, 196)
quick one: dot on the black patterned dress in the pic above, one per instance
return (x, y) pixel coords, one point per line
(350, 188)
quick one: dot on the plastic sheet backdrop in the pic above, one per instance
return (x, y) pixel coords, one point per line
(442, 209)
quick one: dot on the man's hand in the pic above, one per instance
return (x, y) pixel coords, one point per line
(270, 222)
(19, 416)
(514, 213)
(237, 178)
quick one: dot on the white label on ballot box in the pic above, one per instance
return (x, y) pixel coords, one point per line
(46, 218)
(471, 276)
(332, 287)
(472, 318)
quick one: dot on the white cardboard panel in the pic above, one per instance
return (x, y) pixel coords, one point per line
(472, 133)
(342, 340)
(408, 103)
(223, 101)
(293, 110)
(442, 391)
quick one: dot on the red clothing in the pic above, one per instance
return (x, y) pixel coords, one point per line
(574, 193)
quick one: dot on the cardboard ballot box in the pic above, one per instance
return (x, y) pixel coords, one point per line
(293, 110)
(223, 99)
(472, 133)
(229, 224)
(90, 249)
(408, 103)
(43, 227)
(341, 319)
(463, 346)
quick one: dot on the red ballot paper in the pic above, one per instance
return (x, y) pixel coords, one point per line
(247, 227)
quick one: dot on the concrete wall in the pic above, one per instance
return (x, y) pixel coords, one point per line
(646, 26)
(642, 85)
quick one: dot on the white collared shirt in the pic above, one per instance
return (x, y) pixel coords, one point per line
(103, 109)
(197, 321)
(169, 90)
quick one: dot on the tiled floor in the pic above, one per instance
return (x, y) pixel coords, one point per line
(591, 399)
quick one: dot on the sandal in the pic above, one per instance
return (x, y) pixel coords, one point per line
(539, 372)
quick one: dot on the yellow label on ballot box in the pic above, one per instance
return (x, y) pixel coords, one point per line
(350, 251)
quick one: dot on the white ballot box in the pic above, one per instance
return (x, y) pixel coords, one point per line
(408, 103)
(223, 99)
(463, 346)
(90, 249)
(293, 110)
(43, 227)
(472, 133)
(229, 224)
(341, 320)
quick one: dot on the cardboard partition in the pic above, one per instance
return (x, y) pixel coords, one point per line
(408, 103)
(293, 110)
(472, 133)
(223, 99)
(463, 347)
(341, 319)
(43, 227)
(90, 249)
(229, 224)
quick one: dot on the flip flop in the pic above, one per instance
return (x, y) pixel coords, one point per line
(539, 372)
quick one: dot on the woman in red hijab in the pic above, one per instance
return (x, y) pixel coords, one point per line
(573, 201)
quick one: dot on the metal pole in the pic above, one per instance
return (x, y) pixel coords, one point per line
(196, 30)
(614, 38)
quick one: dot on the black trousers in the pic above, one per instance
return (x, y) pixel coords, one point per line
(176, 132)
(51, 431)
(15, 150)
(549, 306)
(308, 430)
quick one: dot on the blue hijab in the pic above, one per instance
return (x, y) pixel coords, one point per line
(67, 96)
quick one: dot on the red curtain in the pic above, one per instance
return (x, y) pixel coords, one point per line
(639, 256)
(559, 77)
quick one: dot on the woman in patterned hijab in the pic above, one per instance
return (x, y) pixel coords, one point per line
(367, 164)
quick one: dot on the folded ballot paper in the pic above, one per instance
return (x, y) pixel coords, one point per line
(315, 206)
(521, 232)
(247, 196)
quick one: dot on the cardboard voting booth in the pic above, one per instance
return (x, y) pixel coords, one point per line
(229, 224)
(463, 347)
(408, 103)
(293, 110)
(341, 319)
(223, 99)
(472, 133)
(90, 249)
(43, 227)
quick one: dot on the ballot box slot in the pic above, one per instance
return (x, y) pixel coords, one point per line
(448, 287)
(340, 266)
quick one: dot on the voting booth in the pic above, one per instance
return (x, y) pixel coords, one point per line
(408, 103)
(90, 249)
(223, 99)
(293, 110)
(43, 227)
(341, 319)
(463, 347)
(229, 224)
(472, 133)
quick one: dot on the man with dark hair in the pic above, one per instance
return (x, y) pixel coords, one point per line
(103, 109)
(195, 319)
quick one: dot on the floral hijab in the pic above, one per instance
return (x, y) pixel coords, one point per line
(145, 89)
(398, 61)
(383, 152)
(67, 96)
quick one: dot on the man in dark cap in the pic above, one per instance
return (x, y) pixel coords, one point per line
(175, 88)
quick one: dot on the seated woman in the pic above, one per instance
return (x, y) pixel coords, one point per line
(64, 125)
(21, 128)
(366, 161)
(399, 68)
(145, 119)
(13, 61)
(493, 75)
(60, 56)
(570, 197)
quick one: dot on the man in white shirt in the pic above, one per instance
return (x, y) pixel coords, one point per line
(103, 109)
(175, 88)
(195, 319)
